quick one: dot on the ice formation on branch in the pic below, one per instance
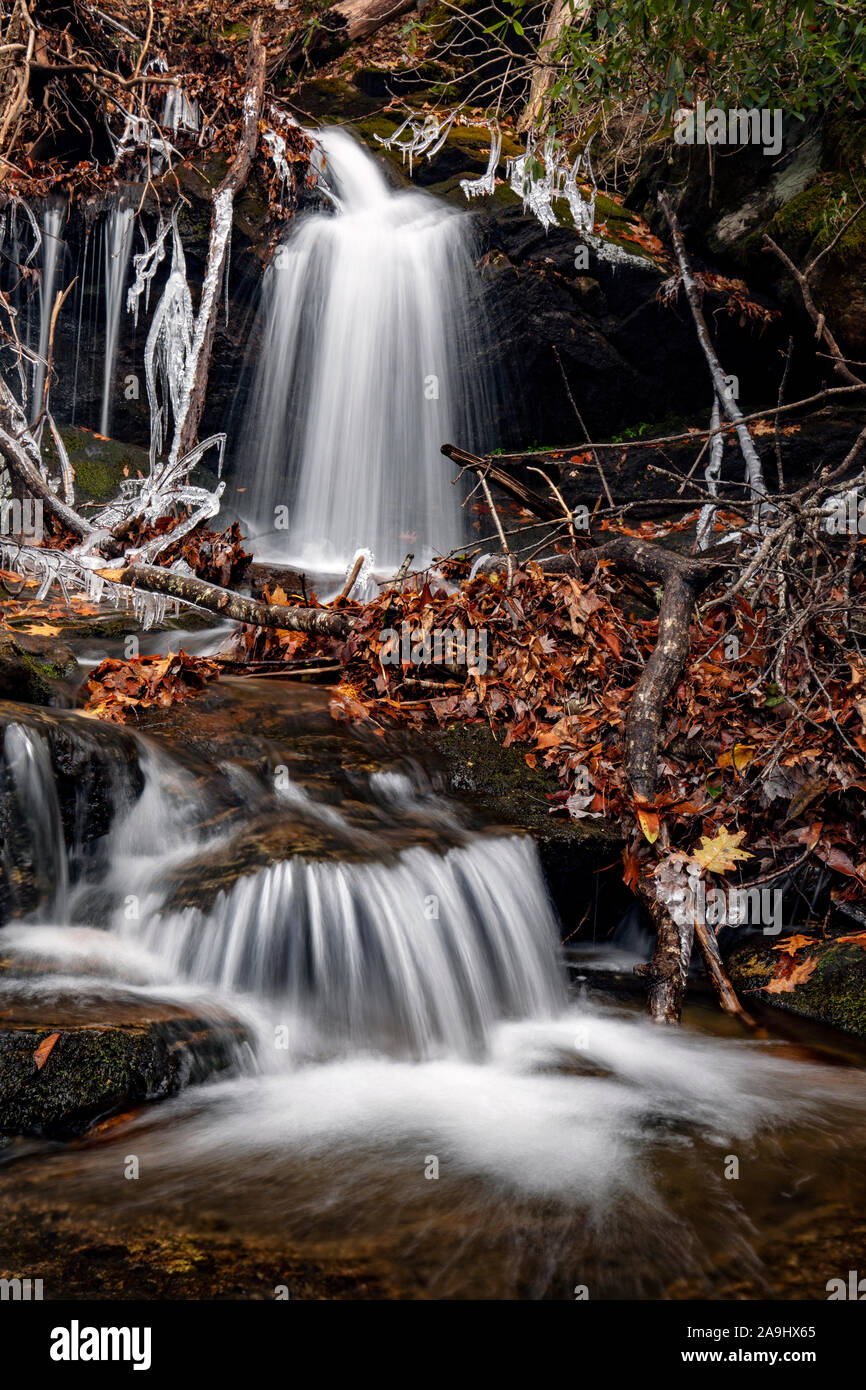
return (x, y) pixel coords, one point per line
(424, 136)
(486, 184)
(537, 177)
(76, 573)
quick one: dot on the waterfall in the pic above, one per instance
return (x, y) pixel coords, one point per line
(37, 817)
(371, 324)
(52, 262)
(118, 233)
(417, 956)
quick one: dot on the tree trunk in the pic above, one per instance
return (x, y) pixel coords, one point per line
(563, 14)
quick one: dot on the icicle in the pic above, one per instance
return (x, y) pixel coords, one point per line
(179, 113)
(426, 137)
(486, 184)
(146, 264)
(118, 246)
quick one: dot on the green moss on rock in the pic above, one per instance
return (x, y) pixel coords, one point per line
(835, 993)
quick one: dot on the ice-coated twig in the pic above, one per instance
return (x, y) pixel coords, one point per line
(486, 184)
(426, 136)
(146, 263)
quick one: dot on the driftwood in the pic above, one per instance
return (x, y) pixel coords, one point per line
(320, 621)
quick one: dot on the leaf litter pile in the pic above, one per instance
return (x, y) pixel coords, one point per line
(747, 787)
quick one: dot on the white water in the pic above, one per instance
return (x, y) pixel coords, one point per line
(369, 314)
(117, 248)
(52, 261)
(27, 760)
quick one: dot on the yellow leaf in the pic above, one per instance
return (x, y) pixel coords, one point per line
(649, 824)
(738, 757)
(42, 630)
(113, 575)
(719, 855)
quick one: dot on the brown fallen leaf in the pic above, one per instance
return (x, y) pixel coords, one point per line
(791, 944)
(43, 1051)
(857, 939)
(786, 984)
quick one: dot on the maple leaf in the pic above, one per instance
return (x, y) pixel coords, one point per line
(720, 854)
(787, 983)
(856, 939)
(791, 944)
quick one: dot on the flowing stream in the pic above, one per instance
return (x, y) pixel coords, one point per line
(417, 1093)
(369, 362)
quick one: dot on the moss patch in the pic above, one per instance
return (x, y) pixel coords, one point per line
(835, 993)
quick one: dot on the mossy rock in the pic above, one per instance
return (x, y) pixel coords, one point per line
(835, 993)
(100, 465)
(97, 1066)
(31, 667)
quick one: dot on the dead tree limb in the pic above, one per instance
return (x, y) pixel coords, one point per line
(754, 471)
(21, 456)
(683, 580)
(195, 384)
(322, 622)
(840, 366)
(535, 502)
(719, 975)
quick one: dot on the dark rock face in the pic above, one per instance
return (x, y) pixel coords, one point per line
(626, 358)
(803, 199)
(101, 1061)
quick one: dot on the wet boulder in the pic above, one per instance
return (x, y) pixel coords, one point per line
(91, 1059)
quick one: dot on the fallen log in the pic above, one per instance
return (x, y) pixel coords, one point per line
(359, 18)
(320, 621)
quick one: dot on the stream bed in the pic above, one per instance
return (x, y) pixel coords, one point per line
(392, 1083)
